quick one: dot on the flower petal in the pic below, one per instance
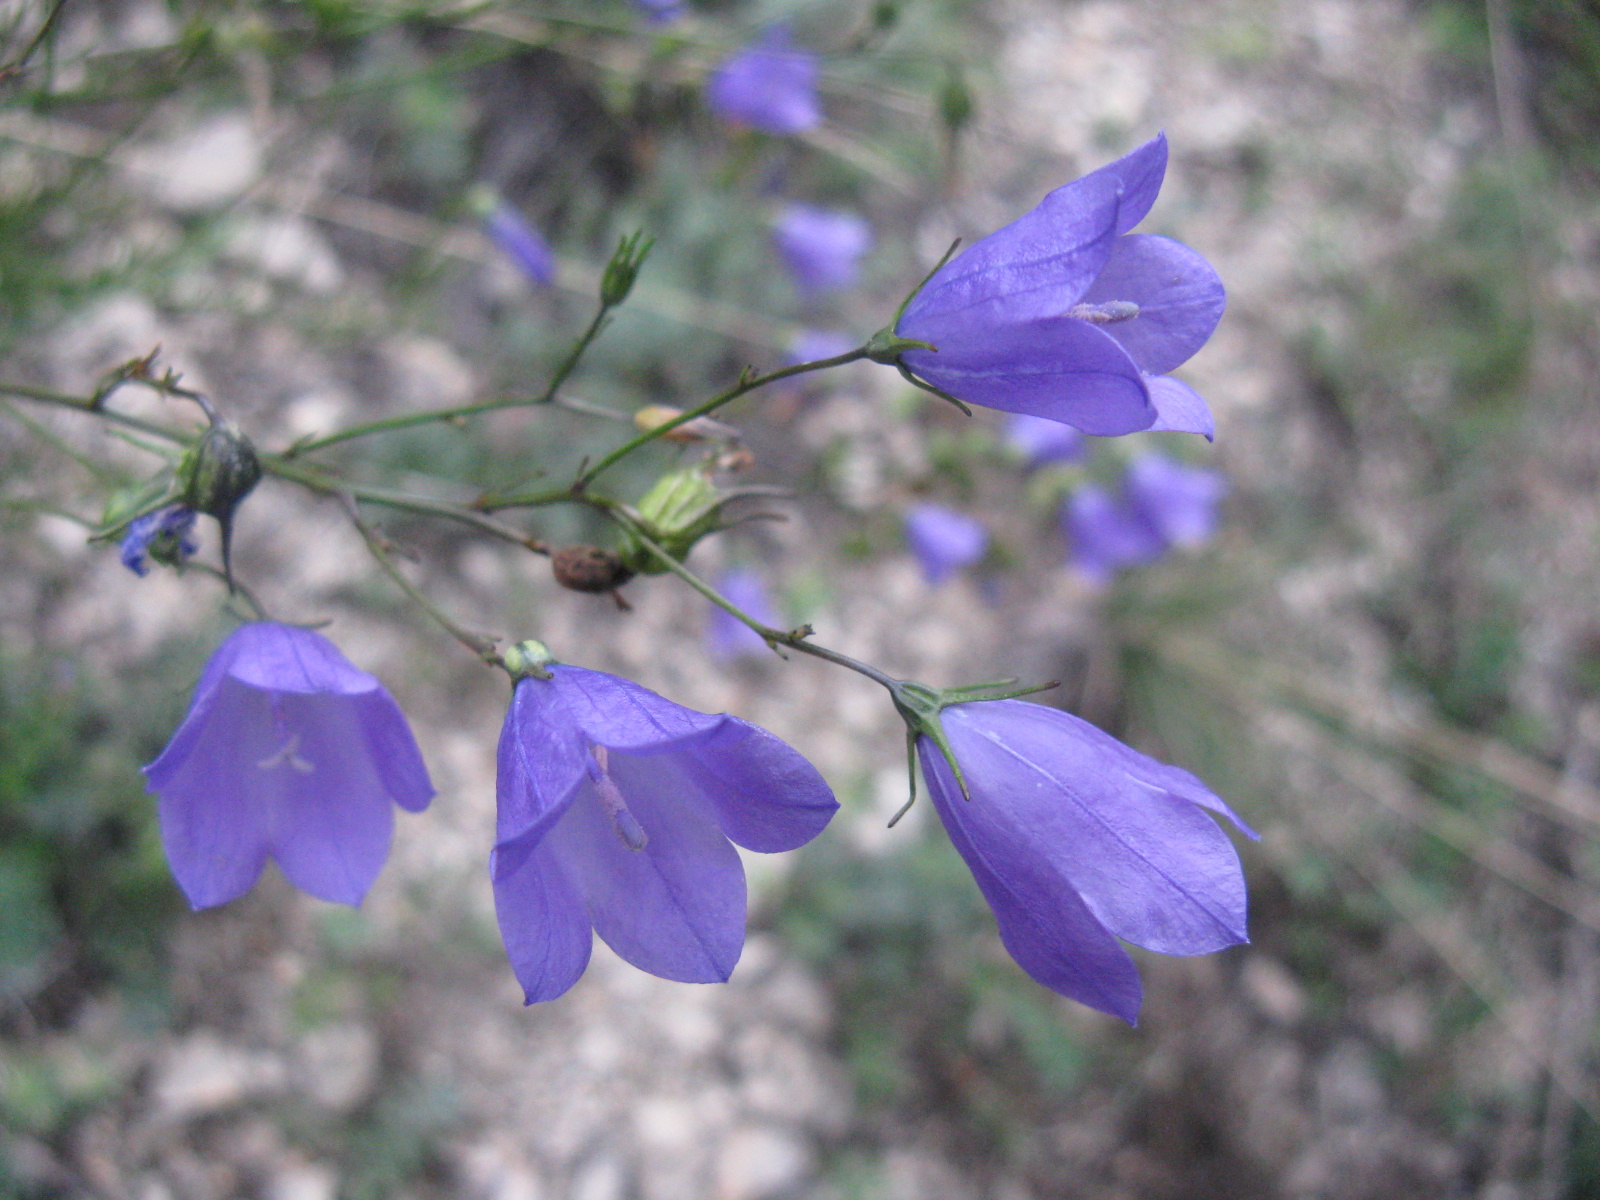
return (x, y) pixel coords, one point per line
(539, 762)
(283, 658)
(1057, 367)
(1049, 788)
(394, 750)
(764, 795)
(328, 815)
(1180, 299)
(211, 802)
(546, 933)
(1043, 922)
(1179, 408)
(1138, 174)
(675, 908)
(618, 713)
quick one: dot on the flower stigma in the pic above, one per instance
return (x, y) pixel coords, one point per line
(628, 829)
(1107, 312)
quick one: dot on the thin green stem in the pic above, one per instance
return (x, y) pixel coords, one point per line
(84, 404)
(50, 438)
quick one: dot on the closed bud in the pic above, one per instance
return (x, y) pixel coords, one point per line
(222, 471)
(680, 509)
(623, 269)
(955, 102)
(589, 569)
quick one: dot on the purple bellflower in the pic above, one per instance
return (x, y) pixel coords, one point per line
(165, 535)
(1041, 441)
(822, 247)
(1065, 314)
(729, 638)
(1077, 841)
(944, 541)
(618, 814)
(1178, 501)
(1107, 533)
(288, 752)
(769, 85)
(521, 242)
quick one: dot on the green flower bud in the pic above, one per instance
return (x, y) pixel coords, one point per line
(222, 471)
(955, 102)
(623, 268)
(680, 509)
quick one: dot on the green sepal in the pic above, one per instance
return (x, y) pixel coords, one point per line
(529, 657)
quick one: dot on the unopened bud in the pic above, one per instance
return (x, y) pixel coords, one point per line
(679, 510)
(623, 268)
(224, 470)
(589, 569)
(955, 102)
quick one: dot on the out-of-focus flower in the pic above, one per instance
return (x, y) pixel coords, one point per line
(727, 637)
(1076, 841)
(165, 535)
(699, 429)
(618, 811)
(814, 345)
(822, 247)
(943, 540)
(288, 752)
(1065, 314)
(521, 242)
(1107, 534)
(661, 12)
(1178, 500)
(769, 85)
(1041, 441)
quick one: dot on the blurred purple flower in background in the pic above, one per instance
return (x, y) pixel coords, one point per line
(661, 12)
(288, 752)
(164, 535)
(822, 247)
(727, 637)
(1178, 500)
(1107, 534)
(769, 85)
(813, 345)
(616, 810)
(1064, 314)
(944, 540)
(1076, 841)
(1041, 441)
(523, 243)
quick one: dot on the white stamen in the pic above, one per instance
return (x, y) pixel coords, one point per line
(288, 756)
(628, 829)
(1107, 312)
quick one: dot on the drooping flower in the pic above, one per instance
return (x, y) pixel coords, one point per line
(769, 85)
(1041, 441)
(1077, 841)
(1107, 534)
(521, 242)
(1065, 314)
(822, 247)
(729, 638)
(813, 345)
(288, 752)
(1179, 501)
(618, 811)
(166, 535)
(943, 541)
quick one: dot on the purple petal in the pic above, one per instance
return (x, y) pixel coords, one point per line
(1179, 501)
(546, 932)
(394, 751)
(1179, 408)
(1051, 790)
(541, 758)
(1044, 923)
(1060, 368)
(1138, 175)
(944, 540)
(765, 796)
(173, 525)
(661, 12)
(1041, 441)
(729, 638)
(1037, 266)
(620, 714)
(283, 658)
(1180, 300)
(676, 907)
(522, 243)
(769, 85)
(1106, 534)
(821, 247)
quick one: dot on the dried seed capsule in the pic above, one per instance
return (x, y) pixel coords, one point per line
(588, 569)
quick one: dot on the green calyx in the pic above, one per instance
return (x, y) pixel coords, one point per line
(623, 269)
(886, 346)
(680, 508)
(528, 658)
(920, 707)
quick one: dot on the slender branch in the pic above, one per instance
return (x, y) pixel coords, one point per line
(50, 438)
(84, 404)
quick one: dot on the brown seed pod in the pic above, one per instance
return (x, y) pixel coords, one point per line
(588, 569)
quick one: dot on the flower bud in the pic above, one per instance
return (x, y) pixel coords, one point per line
(589, 569)
(623, 268)
(680, 509)
(221, 472)
(955, 102)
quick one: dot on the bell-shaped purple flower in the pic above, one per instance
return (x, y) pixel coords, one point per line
(288, 752)
(1041, 441)
(822, 247)
(729, 638)
(1107, 533)
(521, 242)
(618, 811)
(1077, 841)
(769, 85)
(1065, 314)
(166, 535)
(943, 541)
(1178, 501)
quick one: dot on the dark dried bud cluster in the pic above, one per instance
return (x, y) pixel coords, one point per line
(588, 569)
